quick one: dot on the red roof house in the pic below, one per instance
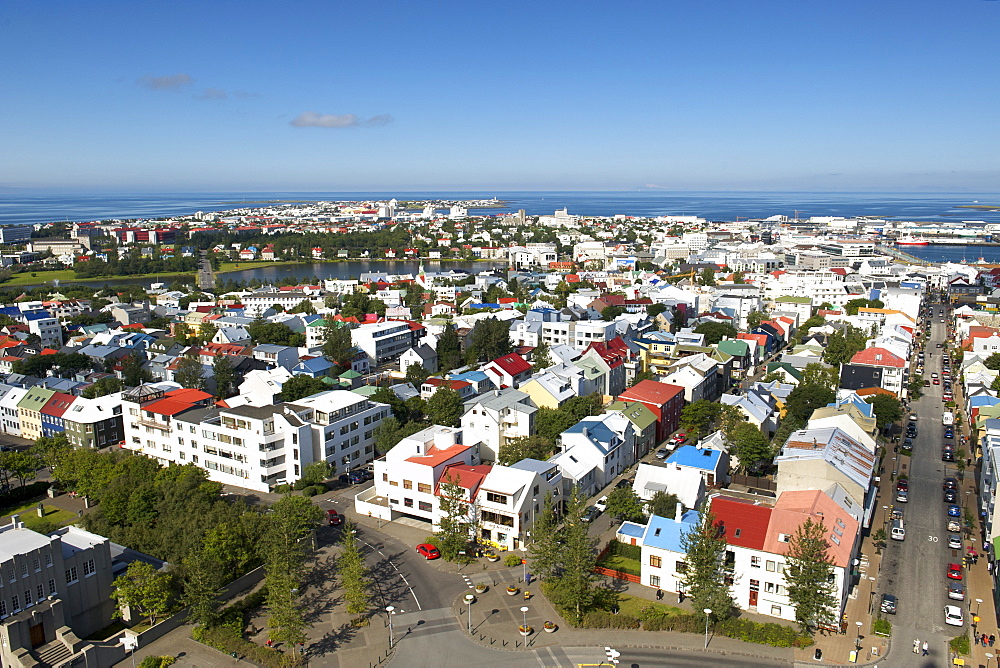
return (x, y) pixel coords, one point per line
(664, 399)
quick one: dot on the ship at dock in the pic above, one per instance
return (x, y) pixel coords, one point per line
(909, 240)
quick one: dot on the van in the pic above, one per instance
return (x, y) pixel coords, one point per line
(898, 532)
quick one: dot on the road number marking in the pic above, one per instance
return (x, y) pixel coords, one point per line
(932, 539)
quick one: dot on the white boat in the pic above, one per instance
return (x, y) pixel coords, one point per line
(910, 240)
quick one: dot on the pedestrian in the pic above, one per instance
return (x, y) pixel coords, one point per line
(993, 639)
(270, 643)
(659, 594)
(916, 645)
(975, 638)
(925, 648)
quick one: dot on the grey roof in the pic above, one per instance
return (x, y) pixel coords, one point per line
(197, 415)
(536, 465)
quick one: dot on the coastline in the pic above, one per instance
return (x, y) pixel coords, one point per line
(291, 263)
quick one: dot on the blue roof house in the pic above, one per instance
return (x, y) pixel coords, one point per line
(317, 367)
(661, 541)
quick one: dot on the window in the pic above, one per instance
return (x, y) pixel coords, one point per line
(408, 503)
(40, 589)
(407, 484)
(780, 590)
(655, 561)
(15, 603)
(27, 598)
(385, 477)
(3, 608)
(497, 518)
(755, 585)
(393, 483)
(36, 564)
(89, 568)
(776, 611)
(12, 574)
(770, 565)
(48, 560)
(784, 537)
(52, 586)
(71, 575)
(493, 497)
(423, 488)
(424, 506)
(754, 562)
(654, 581)
(24, 569)
(769, 587)
(681, 567)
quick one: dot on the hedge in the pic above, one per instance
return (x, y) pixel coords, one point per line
(157, 662)
(602, 619)
(618, 549)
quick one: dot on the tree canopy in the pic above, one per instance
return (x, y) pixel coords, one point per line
(887, 409)
(715, 332)
(300, 386)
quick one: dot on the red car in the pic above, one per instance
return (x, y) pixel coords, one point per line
(336, 519)
(428, 551)
(679, 438)
(954, 572)
(903, 483)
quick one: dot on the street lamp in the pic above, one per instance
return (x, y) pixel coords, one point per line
(524, 622)
(858, 641)
(391, 610)
(988, 657)
(468, 599)
(708, 613)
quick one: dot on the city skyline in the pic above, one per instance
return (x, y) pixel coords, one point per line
(312, 96)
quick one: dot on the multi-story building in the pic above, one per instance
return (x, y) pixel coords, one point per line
(496, 416)
(46, 328)
(384, 341)
(256, 447)
(95, 423)
(29, 410)
(51, 584)
(10, 418)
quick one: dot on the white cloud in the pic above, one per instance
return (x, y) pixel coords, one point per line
(313, 119)
(168, 82)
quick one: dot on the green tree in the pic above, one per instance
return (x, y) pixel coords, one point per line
(572, 589)
(300, 386)
(103, 387)
(804, 399)
(624, 503)
(391, 431)
(750, 447)
(316, 473)
(662, 504)
(448, 349)
(610, 313)
(697, 417)
(133, 374)
(20, 465)
(809, 577)
(705, 578)
(545, 547)
(514, 449)
(338, 346)
(707, 276)
(819, 374)
(887, 409)
(304, 306)
(842, 346)
(715, 332)
(457, 524)
(225, 377)
(354, 580)
(142, 589)
(190, 373)
(201, 579)
(445, 407)
(416, 374)
(292, 520)
(542, 356)
(49, 450)
(992, 362)
(754, 319)
(490, 339)
(653, 310)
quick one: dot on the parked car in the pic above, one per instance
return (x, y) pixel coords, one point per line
(953, 615)
(334, 517)
(956, 591)
(954, 541)
(602, 503)
(949, 433)
(661, 453)
(902, 496)
(888, 605)
(902, 483)
(355, 477)
(950, 496)
(590, 514)
(947, 455)
(428, 551)
(950, 483)
(954, 525)
(937, 382)
(954, 511)
(927, 383)
(954, 572)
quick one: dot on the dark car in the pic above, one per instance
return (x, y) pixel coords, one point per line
(354, 477)
(947, 455)
(950, 496)
(888, 605)
(902, 483)
(954, 511)
(949, 432)
(950, 483)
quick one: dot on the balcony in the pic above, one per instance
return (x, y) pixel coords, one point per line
(164, 426)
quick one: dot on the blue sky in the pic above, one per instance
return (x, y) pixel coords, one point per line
(384, 95)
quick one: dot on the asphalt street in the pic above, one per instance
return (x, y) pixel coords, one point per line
(914, 570)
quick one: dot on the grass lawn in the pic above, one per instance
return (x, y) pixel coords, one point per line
(226, 267)
(29, 516)
(632, 605)
(619, 563)
(65, 276)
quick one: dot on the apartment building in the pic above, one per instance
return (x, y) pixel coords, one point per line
(384, 342)
(499, 415)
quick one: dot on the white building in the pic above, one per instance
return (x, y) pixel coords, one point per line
(383, 341)
(499, 415)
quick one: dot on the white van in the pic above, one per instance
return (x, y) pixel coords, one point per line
(898, 532)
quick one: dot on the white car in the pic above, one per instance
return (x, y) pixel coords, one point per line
(602, 503)
(953, 615)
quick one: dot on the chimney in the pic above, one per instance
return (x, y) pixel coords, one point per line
(586, 432)
(15, 521)
(678, 512)
(815, 444)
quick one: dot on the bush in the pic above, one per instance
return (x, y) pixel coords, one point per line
(282, 489)
(768, 633)
(882, 627)
(602, 619)
(618, 549)
(681, 623)
(157, 662)
(18, 494)
(960, 644)
(512, 560)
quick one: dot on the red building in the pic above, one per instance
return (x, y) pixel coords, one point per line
(664, 399)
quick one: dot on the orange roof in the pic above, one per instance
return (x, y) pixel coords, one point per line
(168, 406)
(48, 351)
(188, 394)
(793, 508)
(436, 456)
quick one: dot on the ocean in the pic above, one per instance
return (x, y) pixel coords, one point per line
(22, 208)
